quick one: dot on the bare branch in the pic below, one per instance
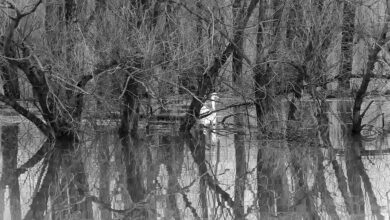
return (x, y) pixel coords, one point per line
(33, 9)
(99, 70)
(188, 204)
(9, 5)
(208, 78)
(372, 59)
(226, 107)
(38, 156)
(223, 33)
(365, 110)
(205, 175)
(44, 128)
(126, 212)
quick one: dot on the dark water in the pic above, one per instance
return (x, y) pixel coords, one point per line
(311, 168)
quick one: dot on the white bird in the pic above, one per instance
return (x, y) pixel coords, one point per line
(209, 108)
(211, 119)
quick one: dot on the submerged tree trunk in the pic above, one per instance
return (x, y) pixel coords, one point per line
(203, 199)
(324, 139)
(202, 182)
(2, 194)
(357, 162)
(103, 145)
(72, 166)
(240, 179)
(129, 139)
(172, 146)
(326, 197)
(62, 166)
(39, 202)
(9, 135)
(197, 154)
(9, 143)
(271, 182)
(354, 180)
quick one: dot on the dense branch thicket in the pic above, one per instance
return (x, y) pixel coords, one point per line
(84, 72)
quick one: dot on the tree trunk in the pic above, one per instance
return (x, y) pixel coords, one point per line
(271, 182)
(356, 160)
(9, 72)
(354, 181)
(173, 159)
(203, 199)
(339, 173)
(2, 192)
(323, 134)
(357, 115)
(54, 24)
(342, 185)
(202, 182)
(9, 143)
(239, 135)
(104, 171)
(129, 144)
(196, 152)
(271, 193)
(39, 201)
(62, 167)
(348, 32)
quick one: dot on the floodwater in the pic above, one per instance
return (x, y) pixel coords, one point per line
(310, 168)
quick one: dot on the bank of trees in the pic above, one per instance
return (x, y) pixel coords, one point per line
(80, 61)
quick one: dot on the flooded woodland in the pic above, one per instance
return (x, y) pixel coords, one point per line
(309, 168)
(206, 109)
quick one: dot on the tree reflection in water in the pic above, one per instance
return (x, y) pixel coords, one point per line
(297, 171)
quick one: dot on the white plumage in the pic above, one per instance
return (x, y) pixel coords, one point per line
(208, 107)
